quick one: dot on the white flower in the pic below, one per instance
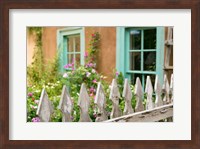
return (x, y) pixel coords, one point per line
(65, 75)
(36, 101)
(88, 74)
(93, 71)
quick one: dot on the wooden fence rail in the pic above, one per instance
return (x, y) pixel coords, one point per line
(160, 109)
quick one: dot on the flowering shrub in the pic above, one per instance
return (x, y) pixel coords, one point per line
(85, 74)
(33, 96)
(72, 79)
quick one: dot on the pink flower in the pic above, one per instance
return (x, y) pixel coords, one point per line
(94, 81)
(70, 65)
(30, 94)
(66, 66)
(86, 54)
(36, 119)
(91, 94)
(92, 89)
(90, 64)
(117, 73)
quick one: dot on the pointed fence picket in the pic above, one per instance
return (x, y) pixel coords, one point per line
(149, 92)
(84, 104)
(161, 109)
(139, 95)
(158, 91)
(114, 97)
(127, 94)
(100, 101)
(45, 108)
(66, 105)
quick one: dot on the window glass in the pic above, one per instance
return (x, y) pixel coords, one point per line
(149, 61)
(77, 43)
(70, 58)
(135, 39)
(150, 39)
(77, 58)
(135, 61)
(134, 77)
(70, 44)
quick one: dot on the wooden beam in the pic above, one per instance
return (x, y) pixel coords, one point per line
(153, 115)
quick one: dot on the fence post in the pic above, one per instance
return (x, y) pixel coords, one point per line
(172, 87)
(45, 108)
(139, 94)
(84, 104)
(149, 91)
(158, 90)
(66, 105)
(127, 94)
(166, 90)
(114, 97)
(100, 101)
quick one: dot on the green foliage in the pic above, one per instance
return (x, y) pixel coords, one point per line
(93, 49)
(47, 76)
(53, 90)
(41, 75)
(36, 69)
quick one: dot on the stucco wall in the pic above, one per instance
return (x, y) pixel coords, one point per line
(30, 47)
(106, 61)
(49, 40)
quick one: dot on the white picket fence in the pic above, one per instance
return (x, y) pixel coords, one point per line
(161, 109)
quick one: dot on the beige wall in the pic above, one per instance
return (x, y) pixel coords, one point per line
(30, 47)
(49, 41)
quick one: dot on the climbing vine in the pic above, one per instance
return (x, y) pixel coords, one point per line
(92, 52)
(35, 70)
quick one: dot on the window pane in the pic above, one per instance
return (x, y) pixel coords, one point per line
(70, 58)
(70, 44)
(134, 76)
(77, 43)
(135, 60)
(135, 39)
(150, 39)
(77, 59)
(150, 61)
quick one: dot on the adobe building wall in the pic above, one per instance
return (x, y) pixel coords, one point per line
(106, 56)
(30, 47)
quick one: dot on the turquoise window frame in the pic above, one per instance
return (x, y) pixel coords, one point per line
(62, 44)
(122, 52)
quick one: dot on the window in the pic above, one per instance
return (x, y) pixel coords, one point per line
(73, 49)
(140, 52)
(70, 43)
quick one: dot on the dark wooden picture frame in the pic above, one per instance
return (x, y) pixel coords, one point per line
(6, 5)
